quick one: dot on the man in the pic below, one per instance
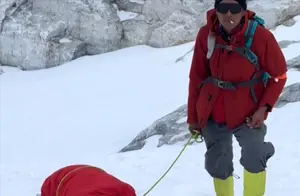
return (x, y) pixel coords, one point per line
(229, 94)
(84, 180)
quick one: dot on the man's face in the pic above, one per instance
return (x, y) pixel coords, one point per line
(229, 13)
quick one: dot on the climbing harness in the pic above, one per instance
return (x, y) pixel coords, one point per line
(197, 138)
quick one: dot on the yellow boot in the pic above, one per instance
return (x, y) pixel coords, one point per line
(254, 183)
(224, 187)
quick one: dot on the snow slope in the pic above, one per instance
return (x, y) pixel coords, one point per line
(88, 109)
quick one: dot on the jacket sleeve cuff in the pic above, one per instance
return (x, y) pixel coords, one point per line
(267, 105)
(272, 93)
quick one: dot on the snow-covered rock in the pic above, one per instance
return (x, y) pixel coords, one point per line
(275, 12)
(137, 31)
(32, 31)
(290, 94)
(285, 43)
(180, 20)
(179, 28)
(173, 127)
(289, 22)
(294, 63)
(34, 43)
(95, 22)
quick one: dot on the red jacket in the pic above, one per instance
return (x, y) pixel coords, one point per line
(84, 180)
(238, 104)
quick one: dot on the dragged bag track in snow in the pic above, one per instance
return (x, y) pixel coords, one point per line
(86, 110)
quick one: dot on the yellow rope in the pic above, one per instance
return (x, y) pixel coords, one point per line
(195, 137)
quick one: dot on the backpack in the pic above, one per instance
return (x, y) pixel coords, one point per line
(243, 51)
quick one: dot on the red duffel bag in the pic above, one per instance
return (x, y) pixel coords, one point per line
(84, 180)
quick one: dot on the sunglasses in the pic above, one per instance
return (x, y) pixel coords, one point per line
(234, 8)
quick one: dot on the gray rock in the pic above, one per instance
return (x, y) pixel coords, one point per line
(179, 28)
(160, 10)
(289, 22)
(8, 8)
(32, 41)
(93, 21)
(95, 26)
(285, 43)
(181, 58)
(173, 127)
(66, 51)
(294, 63)
(137, 31)
(169, 126)
(290, 10)
(177, 21)
(275, 12)
(188, 16)
(129, 6)
(30, 35)
(290, 94)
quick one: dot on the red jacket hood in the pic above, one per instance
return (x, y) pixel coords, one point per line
(212, 19)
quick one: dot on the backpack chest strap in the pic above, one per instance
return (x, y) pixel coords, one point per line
(243, 51)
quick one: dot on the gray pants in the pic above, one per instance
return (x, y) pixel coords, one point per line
(219, 155)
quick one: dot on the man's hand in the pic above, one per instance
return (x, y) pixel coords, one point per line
(257, 119)
(194, 129)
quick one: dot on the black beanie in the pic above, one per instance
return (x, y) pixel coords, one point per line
(243, 3)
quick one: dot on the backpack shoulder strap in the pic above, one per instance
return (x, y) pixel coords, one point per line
(211, 42)
(252, 25)
(249, 34)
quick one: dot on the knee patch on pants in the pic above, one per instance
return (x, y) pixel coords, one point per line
(254, 156)
(255, 151)
(218, 160)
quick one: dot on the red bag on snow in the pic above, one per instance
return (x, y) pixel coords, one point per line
(84, 180)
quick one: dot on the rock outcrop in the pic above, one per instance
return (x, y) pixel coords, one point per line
(36, 34)
(285, 43)
(289, 22)
(40, 34)
(173, 128)
(175, 22)
(294, 63)
(290, 94)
